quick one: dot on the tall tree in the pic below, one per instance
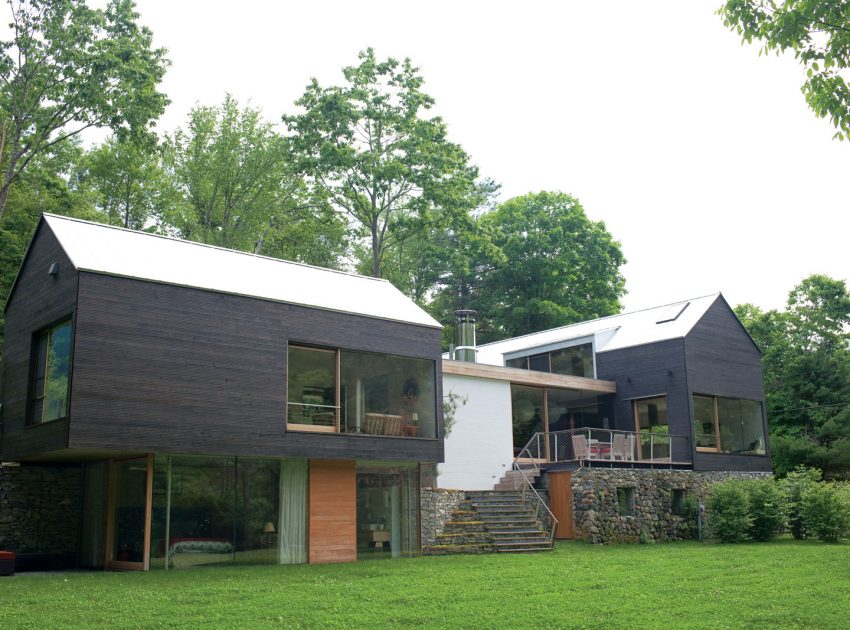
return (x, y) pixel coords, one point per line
(240, 192)
(818, 32)
(42, 188)
(806, 360)
(69, 68)
(370, 150)
(128, 182)
(555, 267)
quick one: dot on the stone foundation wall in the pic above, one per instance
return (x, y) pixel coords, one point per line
(436, 506)
(596, 509)
(40, 509)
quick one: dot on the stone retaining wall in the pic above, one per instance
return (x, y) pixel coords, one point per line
(40, 509)
(596, 509)
(436, 506)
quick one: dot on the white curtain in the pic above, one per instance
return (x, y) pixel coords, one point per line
(292, 538)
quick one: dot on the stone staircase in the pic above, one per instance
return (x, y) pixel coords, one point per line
(510, 520)
(495, 521)
(514, 480)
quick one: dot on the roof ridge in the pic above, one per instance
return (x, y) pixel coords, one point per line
(207, 245)
(599, 319)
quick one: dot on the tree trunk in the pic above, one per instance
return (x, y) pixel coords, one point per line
(4, 196)
(376, 253)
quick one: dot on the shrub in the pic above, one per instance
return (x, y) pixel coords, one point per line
(794, 485)
(729, 514)
(766, 508)
(826, 512)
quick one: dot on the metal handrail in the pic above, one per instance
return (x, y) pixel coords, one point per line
(540, 502)
(529, 485)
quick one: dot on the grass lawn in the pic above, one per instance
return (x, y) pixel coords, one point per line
(786, 584)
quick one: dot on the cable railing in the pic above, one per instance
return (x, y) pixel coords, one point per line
(543, 513)
(605, 445)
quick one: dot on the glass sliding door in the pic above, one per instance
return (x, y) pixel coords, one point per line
(528, 416)
(128, 515)
(387, 510)
(653, 430)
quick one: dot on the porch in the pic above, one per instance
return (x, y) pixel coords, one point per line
(605, 447)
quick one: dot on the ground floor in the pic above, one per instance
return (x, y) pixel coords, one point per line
(166, 512)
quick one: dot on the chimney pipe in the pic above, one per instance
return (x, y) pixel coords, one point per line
(464, 349)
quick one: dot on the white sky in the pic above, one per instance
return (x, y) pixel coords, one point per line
(701, 157)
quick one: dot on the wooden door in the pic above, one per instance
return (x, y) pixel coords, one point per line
(561, 502)
(333, 511)
(128, 524)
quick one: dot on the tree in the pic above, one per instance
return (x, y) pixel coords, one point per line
(69, 68)
(806, 361)
(818, 31)
(42, 188)
(240, 192)
(555, 267)
(370, 151)
(128, 182)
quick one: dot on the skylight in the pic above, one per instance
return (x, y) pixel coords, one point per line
(672, 312)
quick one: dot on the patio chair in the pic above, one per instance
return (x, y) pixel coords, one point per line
(580, 447)
(618, 446)
(629, 448)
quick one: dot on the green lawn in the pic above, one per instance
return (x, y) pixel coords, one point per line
(685, 585)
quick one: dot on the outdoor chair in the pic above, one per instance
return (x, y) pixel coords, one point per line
(618, 446)
(629, 448)
(580, 447)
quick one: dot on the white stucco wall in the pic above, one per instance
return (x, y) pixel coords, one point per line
(479, 448)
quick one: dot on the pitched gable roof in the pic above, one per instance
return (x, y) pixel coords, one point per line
(670, 321)
(127, 253)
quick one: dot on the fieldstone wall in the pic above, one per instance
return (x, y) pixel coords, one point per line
(436, 506)
(597, 512)
(40, 509)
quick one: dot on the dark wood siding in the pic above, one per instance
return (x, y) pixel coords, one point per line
(723, 361)
(649, 370)
(38, 301)
(172, 369)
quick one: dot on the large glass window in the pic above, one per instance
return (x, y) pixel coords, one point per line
(653, 430)
(51, 370)
(572, 361)
(728, 425)
(575, 361)
(384, 394)
(387, 512)
(223, 510)
(379, 394)
(528, 416)
(705, 429)
(311, 389)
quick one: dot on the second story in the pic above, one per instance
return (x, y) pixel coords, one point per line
(119, 341)
(686, 390)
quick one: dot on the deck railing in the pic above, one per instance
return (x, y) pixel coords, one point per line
(606, 445)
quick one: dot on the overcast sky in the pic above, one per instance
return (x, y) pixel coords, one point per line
(701, 157)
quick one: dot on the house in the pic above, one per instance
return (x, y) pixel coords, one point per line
(622, 419)
(167, 403)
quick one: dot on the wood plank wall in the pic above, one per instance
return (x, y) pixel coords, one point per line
(333, 511)
(38, 301)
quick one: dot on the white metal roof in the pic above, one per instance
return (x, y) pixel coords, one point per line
(127, 253)
(610, 333)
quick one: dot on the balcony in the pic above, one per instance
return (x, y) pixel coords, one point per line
(604, 447)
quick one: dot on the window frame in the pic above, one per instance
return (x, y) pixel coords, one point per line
(716, 423)
(314, 428)
(36, 353)
(626, 498)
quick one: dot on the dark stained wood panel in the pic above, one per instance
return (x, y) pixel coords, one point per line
(561, 502)
(333, 512)
(644, 371)
(161, 368)
(38, 301)
(723, 361)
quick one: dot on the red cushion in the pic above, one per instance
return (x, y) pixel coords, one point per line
(7, 555)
